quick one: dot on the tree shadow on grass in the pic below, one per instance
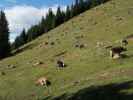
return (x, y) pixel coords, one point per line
(107, 92)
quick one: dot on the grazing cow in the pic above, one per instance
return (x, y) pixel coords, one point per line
(115, 52)
(61, 64)
(43, 81)
(80, 46)
(38, 63)
(124, 42)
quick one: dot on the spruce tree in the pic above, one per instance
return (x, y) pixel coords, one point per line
(16, 43)
(68, 14)
(59, 19)
(72, 11)
(81, 6)
(42, 26)
(20, 40)
(23, 37)
(93, 3)
(76, 8)
(32, 33)
(4, 36)
(50, 20)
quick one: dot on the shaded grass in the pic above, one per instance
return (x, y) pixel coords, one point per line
(114, 91)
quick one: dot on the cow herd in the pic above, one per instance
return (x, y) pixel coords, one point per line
(116, 52)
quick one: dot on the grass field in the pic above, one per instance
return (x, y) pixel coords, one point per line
(90, 73)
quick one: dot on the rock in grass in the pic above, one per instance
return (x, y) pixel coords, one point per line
(11, 66)
(38, 63)
(3, 73)
(76, 82)
(52, 43)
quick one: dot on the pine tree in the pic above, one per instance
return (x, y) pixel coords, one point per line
(93, 3)
(88, 4)
(81, 6)
(33, 33)
(20, 40)
(68, 14)
(4, 36)
(72, 11)
(50, 20)
(16, 43)
(23, 37)
(76, 8)
(42, 26)
(59, 18)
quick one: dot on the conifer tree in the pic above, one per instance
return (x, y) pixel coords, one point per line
(59, 18)
(67, 14)
(20, 40)
(42, 26)
(50, 20)
(23, 37)
(4, 36)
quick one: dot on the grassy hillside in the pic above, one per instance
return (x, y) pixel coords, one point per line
(90, 73)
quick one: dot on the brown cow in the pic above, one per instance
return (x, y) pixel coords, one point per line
(115, 52)
(43, 81)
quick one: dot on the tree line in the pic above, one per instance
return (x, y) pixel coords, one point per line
(53, 20)
(50, 21)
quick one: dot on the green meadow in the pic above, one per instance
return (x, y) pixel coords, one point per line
(90, 73)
